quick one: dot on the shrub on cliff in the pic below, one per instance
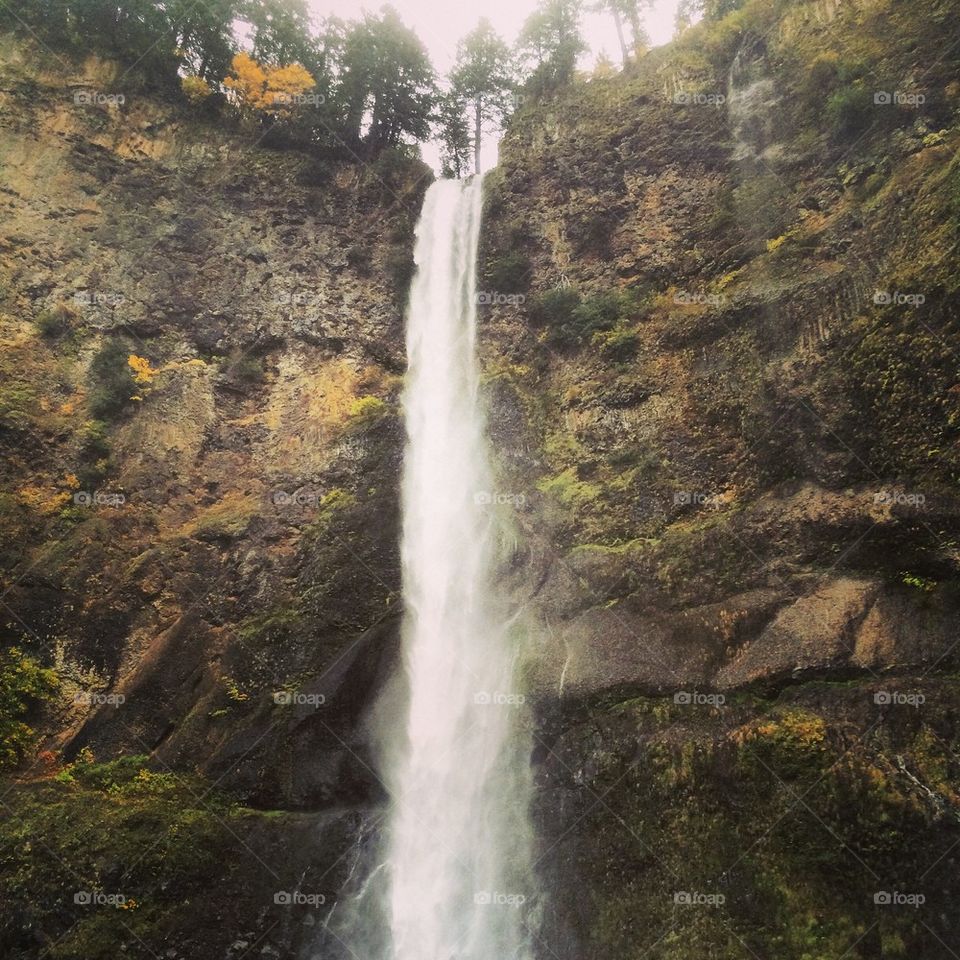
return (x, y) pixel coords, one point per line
(112, 383)
(554, 309)
(23, 685)
(509, 273)
(56, 321)
(850, 111)
(571, 320)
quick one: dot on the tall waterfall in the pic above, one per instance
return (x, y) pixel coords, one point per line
(453, 881)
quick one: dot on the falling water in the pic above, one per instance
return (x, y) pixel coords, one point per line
(458, 843)
(452, 881)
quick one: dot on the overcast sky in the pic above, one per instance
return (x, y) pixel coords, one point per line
(441, 23)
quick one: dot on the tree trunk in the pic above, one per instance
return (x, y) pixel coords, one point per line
(636, 27)
(477, 131)
(623, 43)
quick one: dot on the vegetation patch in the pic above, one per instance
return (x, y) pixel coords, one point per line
(24, 686)
(227, 518)
(570, 319)
(112, 382)
(107, 858)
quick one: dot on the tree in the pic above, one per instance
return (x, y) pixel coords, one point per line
(455, 140)
(204, 35)
(551, 39)
(625, 11)
(134, 31)
(603, 69)
(482, 77)
(387, 83)
(281, 32)
(23, 685)
(613, 7)
(690, 11)
(267, 89)
(631, 11)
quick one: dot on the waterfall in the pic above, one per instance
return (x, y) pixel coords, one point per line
(752, 105)
(454, 863)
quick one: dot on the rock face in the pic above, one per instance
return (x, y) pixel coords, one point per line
(694, 351)
(735, 450)
(231, 531)
(720, 356)
(201, 446)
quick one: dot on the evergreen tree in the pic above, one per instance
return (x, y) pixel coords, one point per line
(482, 78)
(388, 83)
(281, 32)
(625, 11)
(204, 35)
(455, 140)
(551, 41)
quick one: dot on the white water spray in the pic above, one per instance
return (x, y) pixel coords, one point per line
(451, 875)
(458, 839)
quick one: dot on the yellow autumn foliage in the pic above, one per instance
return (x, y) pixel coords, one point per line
(267, 89)
(142, 371)
(43, 500)
(195, 89)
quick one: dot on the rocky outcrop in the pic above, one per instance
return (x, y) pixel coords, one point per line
(737, 481)
(229, 533)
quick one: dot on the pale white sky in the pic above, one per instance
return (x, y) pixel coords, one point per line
(441, 23)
